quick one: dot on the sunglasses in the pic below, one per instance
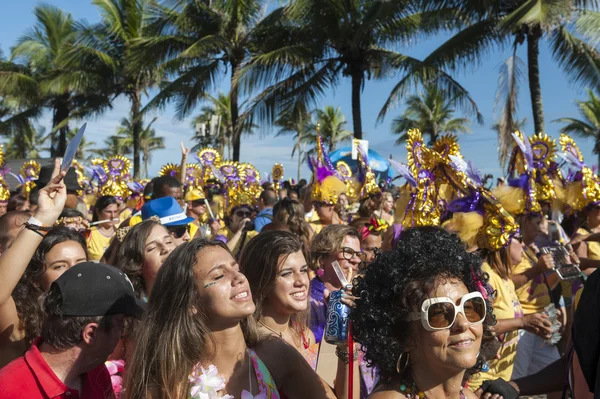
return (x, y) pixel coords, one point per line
(178, 231)
(243, 214)
(440, 313)
(198, 202)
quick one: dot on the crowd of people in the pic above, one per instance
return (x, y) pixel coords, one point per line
(208, 282)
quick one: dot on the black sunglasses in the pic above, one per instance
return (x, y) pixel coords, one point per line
(178, 231)
(243, 214)
(198, 202)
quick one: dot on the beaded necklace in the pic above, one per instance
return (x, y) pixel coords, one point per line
(411, 392)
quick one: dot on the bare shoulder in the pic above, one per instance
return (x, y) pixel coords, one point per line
(390, 394)
(387, 391)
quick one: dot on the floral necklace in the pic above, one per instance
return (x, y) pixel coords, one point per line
(207, 383)
(411, 391)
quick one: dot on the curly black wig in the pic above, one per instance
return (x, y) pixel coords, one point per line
(397, 282)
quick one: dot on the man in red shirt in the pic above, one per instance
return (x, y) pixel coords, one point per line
(86, 309)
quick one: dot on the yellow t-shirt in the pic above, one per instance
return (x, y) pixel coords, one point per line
(534, 295)
(97, 244)
(593, 248)
(506, 306)
(125, 214)
(193, 230)
(227, 233)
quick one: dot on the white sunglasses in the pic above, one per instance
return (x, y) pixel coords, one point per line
(440, 313)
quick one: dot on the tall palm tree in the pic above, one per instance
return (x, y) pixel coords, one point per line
(432, 112)
(328, 40)
(563, 23)
(197, 42)
(589, 124)
(112, 145)
(149, 142)
(330, 125)
(37, 79)
(26, 143)
(106, 47)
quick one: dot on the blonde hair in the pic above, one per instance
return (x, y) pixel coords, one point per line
(329, 241)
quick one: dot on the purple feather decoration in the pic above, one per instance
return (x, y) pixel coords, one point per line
(18, 177)
(404, 171)
(525, 149)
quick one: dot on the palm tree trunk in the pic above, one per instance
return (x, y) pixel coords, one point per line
(61, 112)
(146, 156)
(236, 130)
(535, 88)
(357, 80)
(136, 120)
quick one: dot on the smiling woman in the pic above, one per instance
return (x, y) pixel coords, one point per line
(423, 318)
(192, 327)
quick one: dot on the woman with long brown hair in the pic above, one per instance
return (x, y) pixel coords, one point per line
(192, 333)
(288, 214)
(142, 252)
(275, 263)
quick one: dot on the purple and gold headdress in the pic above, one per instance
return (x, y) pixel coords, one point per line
(520, 195)
(326, 184)
(418, 202)
(582, 184)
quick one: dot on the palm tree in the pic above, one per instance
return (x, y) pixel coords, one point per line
(107, 48)
(432, 112)
(37, 79)
(330, 125)
(197, 42)
(113, 145)
(589, 125)
(26, 143)
(564, 23)
(149, 142)
(328, 40)
(505, 145)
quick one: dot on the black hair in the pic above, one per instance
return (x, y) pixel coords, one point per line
(397, 282)
(162, 182)
(70, 213)
(148, 190)
(101, 204)
(64, 332)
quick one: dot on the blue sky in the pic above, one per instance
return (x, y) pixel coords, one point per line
(263, 150)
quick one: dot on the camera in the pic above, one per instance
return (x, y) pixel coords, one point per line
(249, 226)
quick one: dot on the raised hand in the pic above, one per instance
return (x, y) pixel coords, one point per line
(52, 198)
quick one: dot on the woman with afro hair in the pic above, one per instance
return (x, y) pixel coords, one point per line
(423, 317)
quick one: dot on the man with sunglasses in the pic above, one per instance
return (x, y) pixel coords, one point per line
(171, 216)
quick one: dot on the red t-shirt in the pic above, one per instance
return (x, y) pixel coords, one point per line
(31, 377)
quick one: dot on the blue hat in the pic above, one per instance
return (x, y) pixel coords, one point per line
(168, 211)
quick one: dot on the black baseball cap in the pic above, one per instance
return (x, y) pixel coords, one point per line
(70, 179)
(95, 289)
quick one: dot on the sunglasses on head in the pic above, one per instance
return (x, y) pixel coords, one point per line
(440, 313)
(178, 231)
(243, 214)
